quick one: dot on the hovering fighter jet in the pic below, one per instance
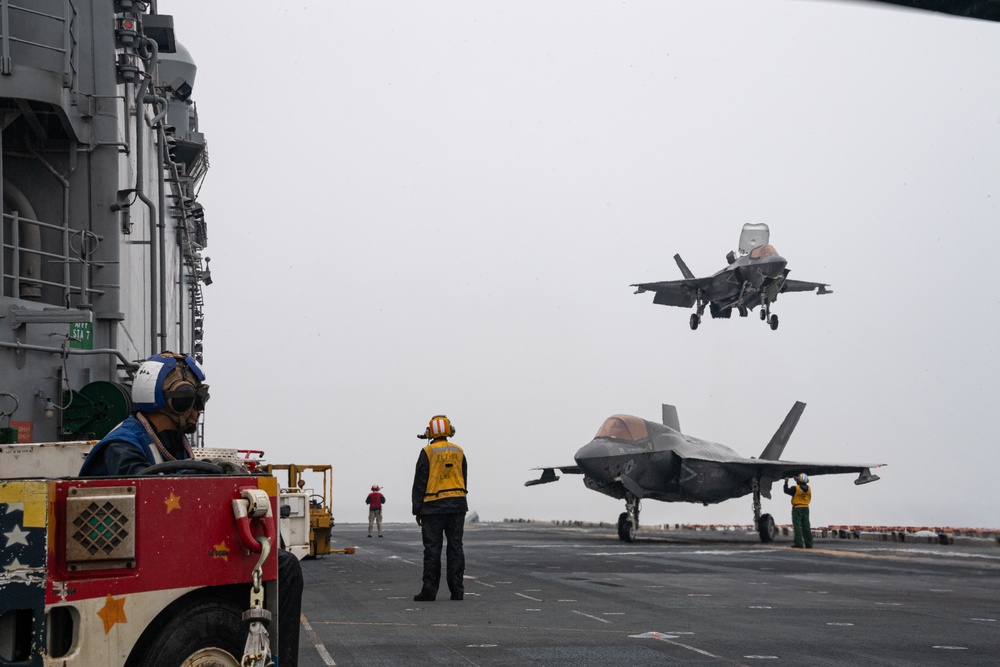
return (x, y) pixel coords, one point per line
(631, 459)
(755, 278)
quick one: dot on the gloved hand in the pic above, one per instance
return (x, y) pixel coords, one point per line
(418, 520)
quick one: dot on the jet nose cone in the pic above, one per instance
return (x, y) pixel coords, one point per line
(589, 456)
(773, 266)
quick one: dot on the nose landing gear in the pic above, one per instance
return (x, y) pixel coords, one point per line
(628, 521)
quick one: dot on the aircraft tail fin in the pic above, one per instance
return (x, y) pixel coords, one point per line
(780, 438)
(670, 417)
(683, 267)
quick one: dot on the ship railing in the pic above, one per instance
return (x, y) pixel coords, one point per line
(71, 241)
(60, 46)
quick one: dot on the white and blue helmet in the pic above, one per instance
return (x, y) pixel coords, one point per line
(169, 381)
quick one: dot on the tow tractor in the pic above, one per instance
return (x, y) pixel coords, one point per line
(298, 503)
(156, 570)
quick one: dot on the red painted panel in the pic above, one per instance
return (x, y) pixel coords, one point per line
(186, 536)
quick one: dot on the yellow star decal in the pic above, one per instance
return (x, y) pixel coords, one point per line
(220, 550)
(172, 503)
(112, 612)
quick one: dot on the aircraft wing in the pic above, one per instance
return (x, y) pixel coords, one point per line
(549, 474)
(674, 292)
(780, 469)
(803, 286)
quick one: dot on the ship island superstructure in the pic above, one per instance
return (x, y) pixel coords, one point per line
(102, 234)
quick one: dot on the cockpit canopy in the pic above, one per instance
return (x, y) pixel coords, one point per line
(763, 251)
(623, 427)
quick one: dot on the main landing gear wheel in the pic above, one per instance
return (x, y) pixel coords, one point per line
(763, 314)
(765, 526)
(695, 321)
(626, 528)
(773, 322)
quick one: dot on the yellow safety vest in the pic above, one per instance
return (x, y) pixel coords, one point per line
(445, 478)
(802, 498)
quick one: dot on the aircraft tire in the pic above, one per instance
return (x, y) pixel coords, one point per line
(695, 321)
(766, 528)
(207, 631)
(626, 528)
(773, 322)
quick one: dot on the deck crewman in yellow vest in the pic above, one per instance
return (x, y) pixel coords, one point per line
(439, 491)
(801, 497)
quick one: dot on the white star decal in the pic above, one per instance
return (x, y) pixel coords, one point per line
(17, 536)
(16, 569)
(15, 507)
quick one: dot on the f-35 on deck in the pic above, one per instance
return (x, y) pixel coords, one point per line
(631, 459)
(755, 278)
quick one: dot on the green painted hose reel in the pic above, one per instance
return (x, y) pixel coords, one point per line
(91, 412)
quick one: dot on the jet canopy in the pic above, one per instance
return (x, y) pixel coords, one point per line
(623, 427)
(753, 236)
(763, 251)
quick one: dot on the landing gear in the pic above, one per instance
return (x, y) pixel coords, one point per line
(766, 316)
(628, 521)
(696, 315)
(765, 526)
(763, 522)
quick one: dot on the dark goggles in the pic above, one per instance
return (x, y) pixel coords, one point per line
(186, 397)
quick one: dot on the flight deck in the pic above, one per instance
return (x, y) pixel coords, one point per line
(539, 594)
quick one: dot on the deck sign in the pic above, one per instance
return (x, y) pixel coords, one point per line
(81, 335)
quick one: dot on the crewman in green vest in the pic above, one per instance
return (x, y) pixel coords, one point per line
(439, 503)
(801, 496)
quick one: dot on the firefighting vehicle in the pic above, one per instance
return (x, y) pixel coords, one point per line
(101, 265)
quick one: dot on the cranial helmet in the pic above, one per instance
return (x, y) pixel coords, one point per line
(439, 427)
(374, 487)
(171, 382)
(802, 478)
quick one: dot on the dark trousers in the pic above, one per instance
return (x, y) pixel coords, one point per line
(434, 528)
(289, 608)
(800, 522)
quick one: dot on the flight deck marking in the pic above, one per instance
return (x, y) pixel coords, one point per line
(669, 639)
(602, 620)
(990, 620)
(529, 597)
(324, 655)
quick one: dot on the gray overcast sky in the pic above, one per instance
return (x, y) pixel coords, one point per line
(431, 207)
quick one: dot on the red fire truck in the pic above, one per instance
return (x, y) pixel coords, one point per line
(157, 570)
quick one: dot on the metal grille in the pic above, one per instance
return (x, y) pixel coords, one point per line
(101, 528)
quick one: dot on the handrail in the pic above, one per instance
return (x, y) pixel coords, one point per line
(63, 48)
(68, 286)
